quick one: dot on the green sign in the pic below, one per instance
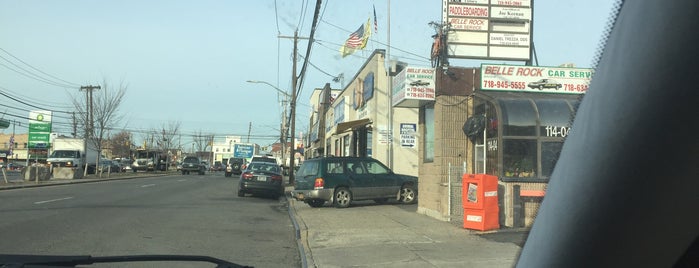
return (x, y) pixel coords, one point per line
(39, 129)
(4, 123)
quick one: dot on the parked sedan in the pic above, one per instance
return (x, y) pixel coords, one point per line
(261, 178)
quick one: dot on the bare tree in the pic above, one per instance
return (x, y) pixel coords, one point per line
(105, 113)
(121, 144)
(203, 141)
(167, 137)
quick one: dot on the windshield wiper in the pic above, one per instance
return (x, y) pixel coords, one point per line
(11, 260)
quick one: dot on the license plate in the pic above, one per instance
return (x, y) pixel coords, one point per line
(261, 178)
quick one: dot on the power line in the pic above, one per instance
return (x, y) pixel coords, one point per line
(30, 105)
(392, 47)
(30, 66)
(32, 77)
(54, 105)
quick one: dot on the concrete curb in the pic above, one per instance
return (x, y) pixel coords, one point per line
(301, 233)
(77, 181)
(299, 241)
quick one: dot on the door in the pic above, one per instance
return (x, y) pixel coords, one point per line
(385, 183)
(361, 181)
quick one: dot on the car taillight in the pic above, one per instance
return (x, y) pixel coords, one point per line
(246, 176)
(276, 177)
(319, 183)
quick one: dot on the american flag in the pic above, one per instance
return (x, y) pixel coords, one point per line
(356, 39)
(376, 24)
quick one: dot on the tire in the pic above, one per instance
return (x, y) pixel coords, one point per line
(541, 87)
(342, 198)
(316, 203)
(408, 195)
(381, 200)
(241, 193)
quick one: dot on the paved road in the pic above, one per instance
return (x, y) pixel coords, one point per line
(192, 214)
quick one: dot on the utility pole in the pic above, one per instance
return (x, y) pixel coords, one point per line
(75, 126)
(89, 124)
(292, 150)
(249, 130)
(90, 117)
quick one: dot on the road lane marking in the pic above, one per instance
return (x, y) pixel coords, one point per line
(181, 180)
(147, 185)
(52, 200)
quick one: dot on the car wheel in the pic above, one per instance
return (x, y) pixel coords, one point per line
(408, 195)
(316, 203)
(343, 197)
(381, 200)
(541, 87)
(241, 193)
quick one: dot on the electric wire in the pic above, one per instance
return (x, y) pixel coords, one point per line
(30, 66)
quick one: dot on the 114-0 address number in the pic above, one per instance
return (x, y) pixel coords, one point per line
(552, 131)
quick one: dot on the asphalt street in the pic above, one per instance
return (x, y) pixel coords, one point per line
(193, 215)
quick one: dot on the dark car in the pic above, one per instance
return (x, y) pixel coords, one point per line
(235, 166)
(192, 164)
(342, 180)
(544, 83)
(261, 178)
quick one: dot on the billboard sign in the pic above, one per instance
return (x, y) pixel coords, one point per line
(39, 129)
(243, 150)
(488, 29)
(535, 79)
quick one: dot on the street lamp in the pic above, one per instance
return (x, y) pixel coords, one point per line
(293, 122)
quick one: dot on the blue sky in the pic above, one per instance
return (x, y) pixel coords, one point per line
(188, 61)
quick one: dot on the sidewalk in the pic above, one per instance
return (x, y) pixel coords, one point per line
(391, 235)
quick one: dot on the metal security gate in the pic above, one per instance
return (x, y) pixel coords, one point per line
(456, 209)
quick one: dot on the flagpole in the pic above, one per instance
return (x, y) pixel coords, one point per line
(389, 90)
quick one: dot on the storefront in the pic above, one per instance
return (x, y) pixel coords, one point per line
(518, 137)
(503, 120)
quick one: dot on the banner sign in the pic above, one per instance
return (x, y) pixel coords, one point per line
(535, 78)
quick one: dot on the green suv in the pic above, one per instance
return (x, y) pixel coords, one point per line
(342, 180)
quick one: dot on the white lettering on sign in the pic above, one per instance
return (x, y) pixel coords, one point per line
(491, 193)
(492, 145)
(553, 131)
(475, 218)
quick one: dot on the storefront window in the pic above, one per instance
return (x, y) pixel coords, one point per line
(555, 117)
(327, 146)
(337, 148)
(346, 145)
(519, 117)
(549, 156)
(519, 158)
(429, 133)
(369, 139)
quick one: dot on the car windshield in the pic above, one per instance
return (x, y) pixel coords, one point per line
(197, 92)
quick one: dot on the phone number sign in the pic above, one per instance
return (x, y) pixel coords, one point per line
(535, 79)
